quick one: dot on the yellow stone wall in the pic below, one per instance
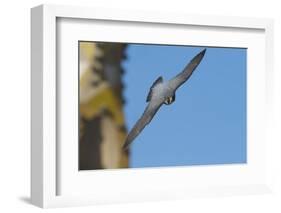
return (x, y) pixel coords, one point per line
(101, 106)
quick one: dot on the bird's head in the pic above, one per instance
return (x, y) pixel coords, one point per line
(169, 100)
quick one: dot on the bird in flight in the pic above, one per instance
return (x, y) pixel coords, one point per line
(162, 92)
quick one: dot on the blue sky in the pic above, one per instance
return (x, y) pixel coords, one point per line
(207, 122)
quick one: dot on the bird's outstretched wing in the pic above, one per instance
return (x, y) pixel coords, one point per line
(182, 77)
(145, 119)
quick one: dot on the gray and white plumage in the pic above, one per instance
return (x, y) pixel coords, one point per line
(162, 92)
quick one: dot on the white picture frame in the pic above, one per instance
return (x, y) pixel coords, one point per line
(46, 163)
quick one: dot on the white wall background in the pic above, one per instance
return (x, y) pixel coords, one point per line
(15, 104)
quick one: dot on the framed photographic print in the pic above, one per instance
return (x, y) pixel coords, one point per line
(130, 106)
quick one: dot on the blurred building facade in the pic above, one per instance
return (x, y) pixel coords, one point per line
(102, 123)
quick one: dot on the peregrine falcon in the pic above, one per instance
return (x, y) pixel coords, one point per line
(162, 92)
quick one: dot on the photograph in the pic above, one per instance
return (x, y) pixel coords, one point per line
(150, 105)
(161, 105)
